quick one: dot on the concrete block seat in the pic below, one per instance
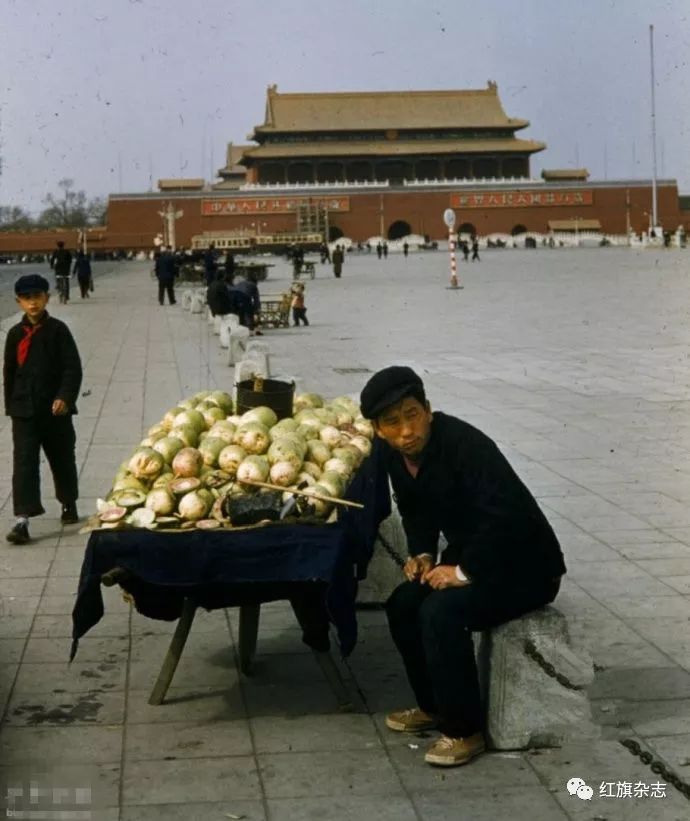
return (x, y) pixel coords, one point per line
(225, 327)
(250, 367)
(261, 351)
(198, 302)
(535, 683)
(237, 344)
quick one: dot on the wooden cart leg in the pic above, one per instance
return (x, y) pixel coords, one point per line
(249, 629)
(332, 674)
(172, 658)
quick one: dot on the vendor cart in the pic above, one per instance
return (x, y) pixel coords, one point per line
(275, 311)
(308, 268)
(256, 270)
(169, 575)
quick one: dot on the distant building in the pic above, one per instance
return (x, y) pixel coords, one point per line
(387, 135)
(176, 184)
(233, 174)
(565, 175)
(363, 164)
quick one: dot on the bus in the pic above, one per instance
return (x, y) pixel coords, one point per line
(244, 242)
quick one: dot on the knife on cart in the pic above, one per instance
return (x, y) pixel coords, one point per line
(295, 490)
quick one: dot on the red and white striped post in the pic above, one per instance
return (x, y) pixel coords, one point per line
(449, 219)
(453, 268)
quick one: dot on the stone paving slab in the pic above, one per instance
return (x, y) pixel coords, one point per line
(574, 361)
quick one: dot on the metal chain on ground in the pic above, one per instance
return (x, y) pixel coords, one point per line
(532, 652)
(392, 552)
(657, 767)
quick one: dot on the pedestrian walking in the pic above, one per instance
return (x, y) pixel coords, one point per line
(385, 250)
(61, 263)
(406, 249)
(338, 259)
(166, 271)
(299, 310)
(229, 267)
(475, 250)
(379, 250)
(297, 261)
(210, 263)
(465, 250)
(82, 268)
(42, 376)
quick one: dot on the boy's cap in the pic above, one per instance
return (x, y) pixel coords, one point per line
(31, 284)
(387, 387)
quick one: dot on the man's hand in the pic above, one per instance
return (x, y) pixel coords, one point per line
(59, 407)
(416, 567)
(443, 576)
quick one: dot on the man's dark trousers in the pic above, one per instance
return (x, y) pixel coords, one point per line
(432, 630)
(55, 434)
(168, 287)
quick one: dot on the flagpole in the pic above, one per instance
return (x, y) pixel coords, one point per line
(651, 56)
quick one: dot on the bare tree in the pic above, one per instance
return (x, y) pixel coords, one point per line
(96, 210)
(66, 211)
(12, 217)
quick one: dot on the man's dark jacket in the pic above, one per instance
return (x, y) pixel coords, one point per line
(61, 262)
(166, 268)
(251, 289)
(466, 489)
(219, 299)
(52, 370)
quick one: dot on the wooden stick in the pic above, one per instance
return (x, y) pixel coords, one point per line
(320, 496)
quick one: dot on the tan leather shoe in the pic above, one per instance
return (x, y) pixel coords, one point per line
(410, 721)
(452, 752)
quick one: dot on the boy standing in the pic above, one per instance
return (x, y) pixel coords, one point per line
(299, 310)
(42, 374)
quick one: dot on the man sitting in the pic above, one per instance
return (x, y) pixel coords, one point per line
(502, 557)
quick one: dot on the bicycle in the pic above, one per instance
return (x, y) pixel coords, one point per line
(62, 287)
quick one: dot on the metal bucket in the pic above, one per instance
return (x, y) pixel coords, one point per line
(275, 394)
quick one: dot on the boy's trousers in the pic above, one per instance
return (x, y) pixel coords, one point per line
(55, 434)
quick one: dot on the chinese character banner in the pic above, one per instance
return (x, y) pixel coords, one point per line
(519, 199)
(270, 205)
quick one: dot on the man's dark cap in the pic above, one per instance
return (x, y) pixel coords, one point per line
(31, 284)
(387, 387)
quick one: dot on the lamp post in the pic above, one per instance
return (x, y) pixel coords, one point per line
(449, 219)
(169, 215)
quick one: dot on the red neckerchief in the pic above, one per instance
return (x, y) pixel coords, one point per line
(25, 343)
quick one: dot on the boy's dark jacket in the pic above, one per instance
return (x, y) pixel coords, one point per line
(52, 370)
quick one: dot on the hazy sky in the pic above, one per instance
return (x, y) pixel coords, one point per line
(116, 93)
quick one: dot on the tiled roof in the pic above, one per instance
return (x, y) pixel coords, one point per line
(366, 110)
(565, 174)
(181, 183)
(390, 148)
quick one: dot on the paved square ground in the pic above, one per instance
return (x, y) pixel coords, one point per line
(576, 361)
